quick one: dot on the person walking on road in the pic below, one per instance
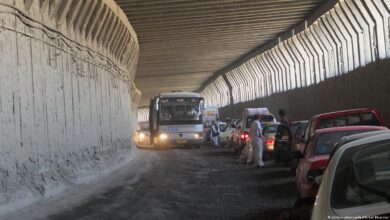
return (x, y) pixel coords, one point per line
(256, 135)
(215, 134)
(283, 118)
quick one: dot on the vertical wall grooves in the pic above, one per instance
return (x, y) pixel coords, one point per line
(350, 35)
(67, 100)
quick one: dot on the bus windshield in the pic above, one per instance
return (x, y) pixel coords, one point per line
(180, 110)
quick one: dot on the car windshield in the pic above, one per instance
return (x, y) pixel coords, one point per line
(272, 129)
(294, 128)
(362, 176)
(297, 127)
(180, 109)
(222, 127)
(325, 142)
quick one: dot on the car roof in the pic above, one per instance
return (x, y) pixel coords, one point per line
(347, 139)
(268, 124)
(299, 122)
(344, 112)
(348, 128)
(255, 111)
(363, 141)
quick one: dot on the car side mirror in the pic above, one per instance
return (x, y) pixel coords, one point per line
(296, 155)
(313, 174)
(318, 179)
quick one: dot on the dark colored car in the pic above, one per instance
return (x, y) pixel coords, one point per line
(298, 145)
(287, 140)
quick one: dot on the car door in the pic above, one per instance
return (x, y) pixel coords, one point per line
(304, 163)
(298, 143)
(282, 143)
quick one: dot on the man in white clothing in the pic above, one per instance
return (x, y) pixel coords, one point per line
(215, 134)
(256, 136)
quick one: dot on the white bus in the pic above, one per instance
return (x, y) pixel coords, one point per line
(175, 119)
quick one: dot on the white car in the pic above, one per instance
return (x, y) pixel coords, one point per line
(225, 130)
(142, 137)
(356, 184)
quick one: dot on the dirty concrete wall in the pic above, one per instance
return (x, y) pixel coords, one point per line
(336, 60)
(65, 104)
(364, 87)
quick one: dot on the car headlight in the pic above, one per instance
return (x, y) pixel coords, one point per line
(141, 135)
(196, 135)
(163, 136)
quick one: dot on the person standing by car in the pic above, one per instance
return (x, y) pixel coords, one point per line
(215, 134)
(284, 120)
(256, 136)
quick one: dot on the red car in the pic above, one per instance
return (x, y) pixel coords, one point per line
(316, 155)
(352, 117)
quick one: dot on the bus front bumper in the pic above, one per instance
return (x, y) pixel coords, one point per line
(180, 142)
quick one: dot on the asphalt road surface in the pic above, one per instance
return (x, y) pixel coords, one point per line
(205, 183)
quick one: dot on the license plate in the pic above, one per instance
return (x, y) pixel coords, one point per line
(181, 141)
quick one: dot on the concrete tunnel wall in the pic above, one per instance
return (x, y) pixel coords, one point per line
(67, 97)
(336, 61)
(365, 87)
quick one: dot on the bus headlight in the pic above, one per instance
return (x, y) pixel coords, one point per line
(163, 136)
(198, 135)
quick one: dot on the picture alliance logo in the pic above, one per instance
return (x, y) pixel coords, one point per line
(358, 217)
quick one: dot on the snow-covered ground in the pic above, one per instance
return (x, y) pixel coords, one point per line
(104, 173)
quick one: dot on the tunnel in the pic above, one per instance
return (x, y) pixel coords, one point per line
(78, 77)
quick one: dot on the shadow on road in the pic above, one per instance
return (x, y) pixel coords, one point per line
(218, 153)
(271, 213)
(150, 147)
(274, 175)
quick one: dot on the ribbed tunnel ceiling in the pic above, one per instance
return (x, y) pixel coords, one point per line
(185, 42)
